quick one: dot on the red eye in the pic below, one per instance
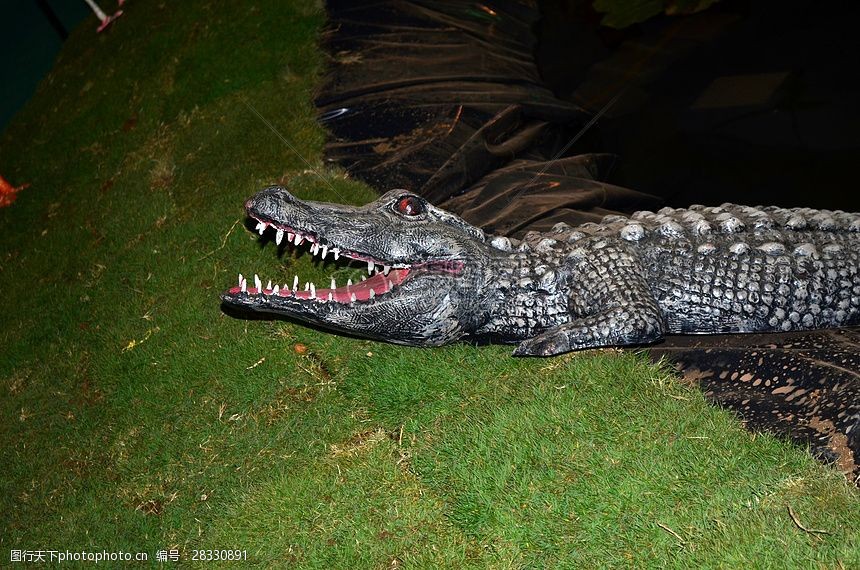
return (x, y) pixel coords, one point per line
(409, 206)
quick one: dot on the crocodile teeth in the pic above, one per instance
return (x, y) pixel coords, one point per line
(269, 286)
(276, 290)
(279, 237)
(372, 293)
(241, 279)
(295, 282)
(386, 269)
(324, 251)
(349, 282)
(363, 278)
(261, 227)
(299, 239)
(244, 285)
(290, 236)
(313, 291)
(369, 267)
(352, 298)
(315, 249)
(336, 252)
(330, 296)
(333, 284)
(307, 286)
(257, 283)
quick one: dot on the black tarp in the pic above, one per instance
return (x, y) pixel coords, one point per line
(445, 99)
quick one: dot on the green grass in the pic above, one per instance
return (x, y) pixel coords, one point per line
(136, 416)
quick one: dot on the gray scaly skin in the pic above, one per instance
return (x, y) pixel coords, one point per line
(625, 281)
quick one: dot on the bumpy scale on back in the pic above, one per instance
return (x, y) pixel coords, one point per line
(623, 281)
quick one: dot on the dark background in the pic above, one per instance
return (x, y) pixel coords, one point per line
(754, 102)
(29, 43)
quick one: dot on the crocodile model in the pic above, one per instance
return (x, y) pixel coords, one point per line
(435, 279)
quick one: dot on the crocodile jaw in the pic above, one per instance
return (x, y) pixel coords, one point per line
(404, 301)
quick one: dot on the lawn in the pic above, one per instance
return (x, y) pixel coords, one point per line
(136, 416)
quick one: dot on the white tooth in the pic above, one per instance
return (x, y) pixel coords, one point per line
(336, 252)
(313, 291)
(372, 293)
(257, 283)
(386, 269)
(269, 286)
(369, 267)
(352, 298)
(279, 237)
(363, 278)
(325, 251)
(299, 239)
(276, 290)
(390, 285)
(290, 236)
(315, 249)
(261, 227)
(295, 282)
(333, 284)
(307, 286)
(330, 296)
(241, 279)
(349, 282)
(244, 286)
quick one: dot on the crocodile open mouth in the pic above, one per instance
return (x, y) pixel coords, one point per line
(383, 277)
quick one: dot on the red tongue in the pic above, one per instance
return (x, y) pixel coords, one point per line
(379, 283)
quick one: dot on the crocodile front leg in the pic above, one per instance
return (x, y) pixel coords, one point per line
(610, 304)
(633, 324)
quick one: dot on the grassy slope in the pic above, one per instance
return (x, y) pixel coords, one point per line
(134, 417)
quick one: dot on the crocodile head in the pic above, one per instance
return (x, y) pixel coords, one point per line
(426, 266)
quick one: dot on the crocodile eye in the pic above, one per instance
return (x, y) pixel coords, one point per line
(409, 206)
